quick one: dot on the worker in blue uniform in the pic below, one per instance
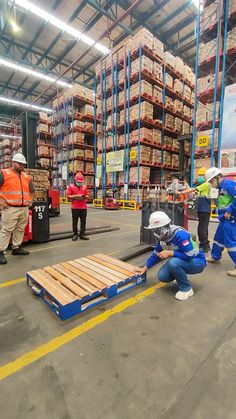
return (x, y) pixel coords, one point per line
(184, 259)
(225, 236)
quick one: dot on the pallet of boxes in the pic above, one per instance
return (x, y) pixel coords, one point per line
(41, 183)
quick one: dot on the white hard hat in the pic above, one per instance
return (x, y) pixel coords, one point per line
(158, 219)
(211, 173)
(19, 158)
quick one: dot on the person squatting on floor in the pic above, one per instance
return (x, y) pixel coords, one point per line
(203, 208)
(184, 259)
(16, 196)
(225, 236)
(77, 194)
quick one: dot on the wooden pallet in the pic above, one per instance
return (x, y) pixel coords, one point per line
(71, 287)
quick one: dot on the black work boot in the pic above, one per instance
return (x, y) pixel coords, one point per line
(20, 252)
(75, 237)
(3, 260)
(83, 237)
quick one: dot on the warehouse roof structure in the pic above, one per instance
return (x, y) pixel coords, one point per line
(40, 40)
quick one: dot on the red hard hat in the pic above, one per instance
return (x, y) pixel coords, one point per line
(79, 178)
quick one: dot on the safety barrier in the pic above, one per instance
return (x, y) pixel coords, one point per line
(213, 212)
(98, 203)
(128, 205)
(64, 200)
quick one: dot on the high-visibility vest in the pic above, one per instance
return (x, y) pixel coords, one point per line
(15, 189)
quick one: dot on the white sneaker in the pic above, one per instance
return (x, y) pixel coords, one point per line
(211, 260)
(232, 273)
(184, 295)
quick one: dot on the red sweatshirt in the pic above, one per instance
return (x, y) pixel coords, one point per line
(75, 190)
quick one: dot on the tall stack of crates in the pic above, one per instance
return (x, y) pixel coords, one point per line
(145, 102)
(215, 70)
(73, 137)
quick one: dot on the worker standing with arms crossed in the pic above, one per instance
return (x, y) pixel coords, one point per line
(186, 258)
(203, 208)
(16, 196)
(77, 194)
(225, 236)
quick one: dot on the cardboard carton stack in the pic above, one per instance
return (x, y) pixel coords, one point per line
(41, 182)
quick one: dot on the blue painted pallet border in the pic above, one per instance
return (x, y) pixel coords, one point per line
(65, 312)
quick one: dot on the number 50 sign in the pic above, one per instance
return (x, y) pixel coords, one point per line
(203, 140)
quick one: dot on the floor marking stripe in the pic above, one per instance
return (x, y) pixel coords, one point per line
(12, 282)
(56, 343)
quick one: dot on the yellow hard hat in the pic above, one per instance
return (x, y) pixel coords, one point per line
(202, 171)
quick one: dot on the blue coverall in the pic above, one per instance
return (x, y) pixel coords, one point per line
(225, 236)
(187, 259)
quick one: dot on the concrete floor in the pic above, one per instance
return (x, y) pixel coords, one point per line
(158, 358)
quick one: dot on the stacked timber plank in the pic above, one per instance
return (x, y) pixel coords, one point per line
(74, 286)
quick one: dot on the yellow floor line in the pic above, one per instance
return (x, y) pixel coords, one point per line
(22, 279)
(56, 343)
(12, 282)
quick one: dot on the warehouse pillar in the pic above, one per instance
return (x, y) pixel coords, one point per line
(29, 123)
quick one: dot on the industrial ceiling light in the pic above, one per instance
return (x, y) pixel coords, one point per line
(31, 72)
(61, 25)
(14, 26)
(23, 104)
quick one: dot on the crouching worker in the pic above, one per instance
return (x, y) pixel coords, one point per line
(184, 259)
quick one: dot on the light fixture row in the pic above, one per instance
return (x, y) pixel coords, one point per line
(58, 23)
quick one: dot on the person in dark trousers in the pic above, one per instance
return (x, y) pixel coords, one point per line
(77, 194)
(203, 208)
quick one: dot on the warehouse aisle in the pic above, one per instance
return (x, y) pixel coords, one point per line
(151, 355)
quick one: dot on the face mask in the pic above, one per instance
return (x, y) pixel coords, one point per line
(161, 232)
(200, 179)
(78, 184)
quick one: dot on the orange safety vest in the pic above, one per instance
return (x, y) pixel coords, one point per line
(15, 190)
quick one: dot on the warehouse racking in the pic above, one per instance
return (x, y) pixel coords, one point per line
(146, 103)
(215, 68)
(73, 138)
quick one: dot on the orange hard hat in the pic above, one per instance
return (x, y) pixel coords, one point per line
(79, 177)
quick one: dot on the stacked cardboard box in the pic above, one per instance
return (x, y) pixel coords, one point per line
(41, 182)
(167, 157)
(178, 105)
(157, 94)
(158, 71)
(169, 102)
(146, 65)
(178, 86)
(175, 161)
(156, 156)
(169, 59)
(78, 166)
(143, 38)
(157, 136)
(144, 153)
(169, 80)
(140, 88)
(144, 174)
(231, 39)
(169, 121)
(208, 16)
(207, 51)
(146, 111)
(145, 134)
(186, 128)
(232, 7)
(168, 141)
(88, 167)
(178, 124)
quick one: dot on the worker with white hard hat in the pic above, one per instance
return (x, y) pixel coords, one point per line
(225, 236)
(184, 259)
(16, 194)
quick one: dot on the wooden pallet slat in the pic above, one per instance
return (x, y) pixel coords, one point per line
(116, 262)
(71, 286)
(104, 269)
(85, 285)
(79, 279)
(61, 293)
(111, 265)
(106, 279)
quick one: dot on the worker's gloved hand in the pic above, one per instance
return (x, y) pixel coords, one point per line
(140, 271)
(165, 254)
(3, 204)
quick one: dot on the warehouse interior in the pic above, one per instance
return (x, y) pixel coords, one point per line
(134, 101)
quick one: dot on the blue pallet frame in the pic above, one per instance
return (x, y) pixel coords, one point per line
(65, 312)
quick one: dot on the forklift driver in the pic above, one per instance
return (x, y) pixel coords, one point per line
(184, 259)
